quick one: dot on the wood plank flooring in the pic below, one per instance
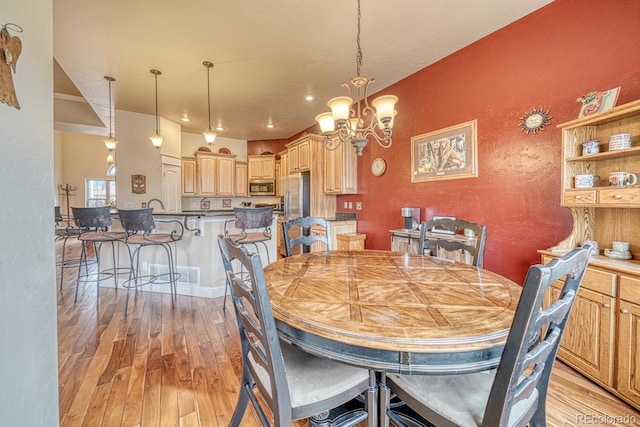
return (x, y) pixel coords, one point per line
(181, 367)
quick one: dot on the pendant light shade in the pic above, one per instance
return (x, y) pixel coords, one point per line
(209, 134)
(156, 139)
(110, 142)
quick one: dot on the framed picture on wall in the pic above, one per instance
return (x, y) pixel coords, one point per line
(138, 184)
(449, 153)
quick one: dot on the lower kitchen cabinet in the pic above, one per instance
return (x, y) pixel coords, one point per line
(408, 241)
(602, 335)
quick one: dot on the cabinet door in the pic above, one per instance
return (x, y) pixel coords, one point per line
(206, 170)
(189, 177)
(284, 165)
(268, 168)
(628, 355)
(331, 173)
(226, 174)
(304, 156)
(171, 188)
(400, 243)
(588, 340)
(294, 165)
(241, 180)
(349, 170)
(255, 169)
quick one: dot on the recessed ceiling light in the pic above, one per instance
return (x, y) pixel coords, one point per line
(270, 125)
(309, 97)
(185, 119)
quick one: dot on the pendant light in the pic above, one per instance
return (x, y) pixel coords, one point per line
(110, 142)
(209, 134)
(156, 138)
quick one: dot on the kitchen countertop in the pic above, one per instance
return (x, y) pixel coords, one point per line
(210, 212)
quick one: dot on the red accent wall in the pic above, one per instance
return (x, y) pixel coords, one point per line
(547, 59)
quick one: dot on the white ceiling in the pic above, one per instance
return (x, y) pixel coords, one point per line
(267, 55)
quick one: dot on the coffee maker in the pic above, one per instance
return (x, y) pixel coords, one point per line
(411, 218)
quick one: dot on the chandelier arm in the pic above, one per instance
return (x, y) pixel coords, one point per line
(383, 140)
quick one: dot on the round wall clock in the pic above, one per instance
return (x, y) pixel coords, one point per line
(535, 121)
(378, 166)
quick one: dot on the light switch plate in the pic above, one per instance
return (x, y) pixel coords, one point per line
(358, 206)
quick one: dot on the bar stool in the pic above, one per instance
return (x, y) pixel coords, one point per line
(254, 225)
(139, 226)
(64, 230)
(93, 225)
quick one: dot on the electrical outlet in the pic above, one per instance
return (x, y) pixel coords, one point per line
(346, 205)
(350, 205)
(358, 206)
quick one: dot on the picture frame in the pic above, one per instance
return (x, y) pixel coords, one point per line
(596, 102)
(138, 184)
(449, 153)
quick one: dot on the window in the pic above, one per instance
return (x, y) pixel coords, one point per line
(100, 192)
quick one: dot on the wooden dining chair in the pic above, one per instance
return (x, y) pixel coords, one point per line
(515, 393)
(294, 384)
(307, 233)
(476, 251)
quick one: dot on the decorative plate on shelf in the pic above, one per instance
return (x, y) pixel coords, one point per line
(224, 150)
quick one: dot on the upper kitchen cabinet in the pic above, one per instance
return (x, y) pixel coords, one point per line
(242, 188)
(215, 174)
(189, 186)
(340, 169)
(262, 167)
(299, 155)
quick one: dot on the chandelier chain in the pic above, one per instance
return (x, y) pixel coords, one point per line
(359, 52)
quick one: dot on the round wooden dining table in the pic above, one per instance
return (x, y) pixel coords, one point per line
(392, 311)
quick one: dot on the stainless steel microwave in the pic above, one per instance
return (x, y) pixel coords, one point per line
(262, 188)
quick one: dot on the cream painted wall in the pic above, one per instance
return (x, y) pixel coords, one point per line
(82, 156)
(28, 331)
(136, 155)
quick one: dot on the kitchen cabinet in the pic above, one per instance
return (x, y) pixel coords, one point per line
(340, 169)
(262, 168)
(189, 180)
(299, 155)
(408, 241)
(284, 170)
(241, 182)
(215, 174)
(602, 335)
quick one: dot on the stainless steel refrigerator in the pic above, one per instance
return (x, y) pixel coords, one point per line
(296, 195)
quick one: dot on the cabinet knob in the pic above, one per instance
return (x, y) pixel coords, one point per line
(617, 196)
(624, 311)
(606, 305)
(578, 197)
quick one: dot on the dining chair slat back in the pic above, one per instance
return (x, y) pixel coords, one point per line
(475, 250)
(515, 393)
(294, 384)
(309, 229)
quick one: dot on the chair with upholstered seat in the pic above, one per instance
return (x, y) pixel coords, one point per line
(94, 230)
(309, 230)
(476, 250)
(515, 393)
(293, 383)
(140, 232)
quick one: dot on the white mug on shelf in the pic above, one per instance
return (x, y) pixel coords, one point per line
(622, 178)
(620, 247)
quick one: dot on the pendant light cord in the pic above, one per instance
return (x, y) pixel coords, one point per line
(359, 52)
(157, 127)
(110, 126)
(209, 96)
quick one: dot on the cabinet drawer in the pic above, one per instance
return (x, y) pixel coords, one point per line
(579, 197)
(619, 196)
(600, 281)
(630, 289)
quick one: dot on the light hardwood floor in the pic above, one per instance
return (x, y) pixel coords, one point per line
(181, 367)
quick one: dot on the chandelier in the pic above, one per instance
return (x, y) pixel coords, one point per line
(357, 122)
(209, 135)
(110, 142)
(156, 139)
